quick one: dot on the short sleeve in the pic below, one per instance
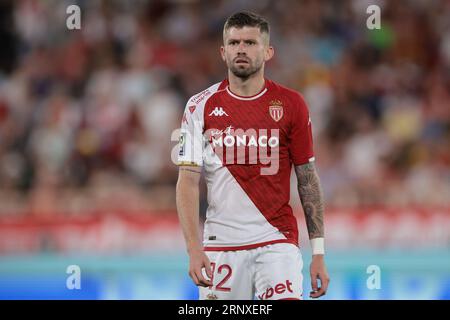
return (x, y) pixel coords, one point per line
(190, 152)
(301, 142)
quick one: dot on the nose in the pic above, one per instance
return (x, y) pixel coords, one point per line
(241, 47)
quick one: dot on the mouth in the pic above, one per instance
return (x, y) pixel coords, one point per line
(241, 61)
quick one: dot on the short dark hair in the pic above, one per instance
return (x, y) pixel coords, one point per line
(247, 19)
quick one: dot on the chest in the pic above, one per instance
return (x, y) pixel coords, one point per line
(256, 116)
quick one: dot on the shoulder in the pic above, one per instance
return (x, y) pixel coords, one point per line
(292, 99)
(195, 105)
(290, 94)
(200, 98)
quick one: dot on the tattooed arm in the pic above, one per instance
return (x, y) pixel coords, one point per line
(312, 202)
(311, 197)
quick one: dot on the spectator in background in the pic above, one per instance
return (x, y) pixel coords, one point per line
(86, 116)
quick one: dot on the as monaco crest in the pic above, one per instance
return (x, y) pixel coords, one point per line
(276, 111)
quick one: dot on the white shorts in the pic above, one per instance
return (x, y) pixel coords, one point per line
(271, 272)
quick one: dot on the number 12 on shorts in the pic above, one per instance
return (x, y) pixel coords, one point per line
(224, 269)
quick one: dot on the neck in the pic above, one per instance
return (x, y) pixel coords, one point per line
(246, 87)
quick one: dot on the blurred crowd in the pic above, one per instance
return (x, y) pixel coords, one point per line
(86, 116)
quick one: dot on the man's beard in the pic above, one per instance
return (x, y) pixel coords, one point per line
(245, 73)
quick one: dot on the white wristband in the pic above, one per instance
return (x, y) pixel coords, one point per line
(317, 246)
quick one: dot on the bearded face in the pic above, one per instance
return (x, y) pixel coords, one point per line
(243, 67)
(245, 51)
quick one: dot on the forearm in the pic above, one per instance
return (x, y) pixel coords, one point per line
(187, 198)
(311, 198)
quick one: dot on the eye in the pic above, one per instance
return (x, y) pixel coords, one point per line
(233, 42)
(250, 42)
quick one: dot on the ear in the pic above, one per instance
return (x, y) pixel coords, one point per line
(222, 52)
(269, 53)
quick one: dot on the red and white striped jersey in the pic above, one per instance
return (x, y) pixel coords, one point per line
(247, 146)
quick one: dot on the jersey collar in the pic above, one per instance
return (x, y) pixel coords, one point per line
(254, 97)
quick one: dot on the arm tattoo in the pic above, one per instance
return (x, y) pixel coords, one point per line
(311, 198)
